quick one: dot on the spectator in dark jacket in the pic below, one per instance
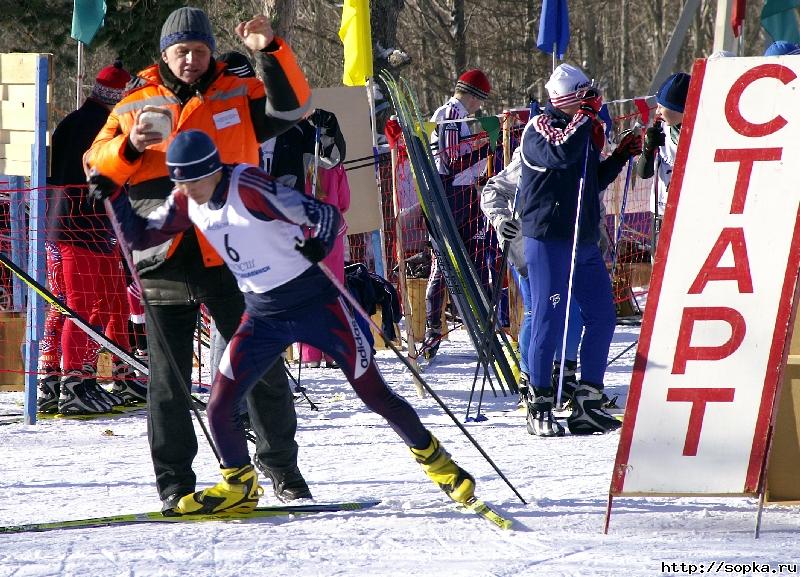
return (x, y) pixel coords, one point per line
(84, 265)
(186, 271)
(561, 161)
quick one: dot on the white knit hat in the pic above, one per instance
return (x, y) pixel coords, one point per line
(564, 83)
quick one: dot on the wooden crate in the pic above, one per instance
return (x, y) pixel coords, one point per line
(416, 297)
(640, 274)
(784, 458)
(783, 469)
(379, 342)
(12, 337)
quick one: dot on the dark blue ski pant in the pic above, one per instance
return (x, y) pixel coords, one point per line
(548, 275)
(260, 340)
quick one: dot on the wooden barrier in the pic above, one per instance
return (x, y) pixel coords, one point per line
(12, 337)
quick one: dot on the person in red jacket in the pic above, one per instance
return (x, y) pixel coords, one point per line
(84, 265)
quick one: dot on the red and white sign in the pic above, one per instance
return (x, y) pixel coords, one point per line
(718, 316)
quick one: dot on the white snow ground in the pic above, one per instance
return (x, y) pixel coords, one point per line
(62, 469)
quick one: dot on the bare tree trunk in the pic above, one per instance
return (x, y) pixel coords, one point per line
(623, 51)
(283, 14)
(458, 34)
(592, 45)
(384, 17)
(530, 40)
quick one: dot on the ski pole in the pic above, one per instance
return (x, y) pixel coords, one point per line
(360, 310)
(298, 388)
(484, 353)
(79, 321)
(314, 177)
(629, 347)
(628, 178)
(411, 346)
(620, 224)
(112, 216)
(505, 248)
(581, 187)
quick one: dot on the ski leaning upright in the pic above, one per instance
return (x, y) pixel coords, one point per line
(459, 272)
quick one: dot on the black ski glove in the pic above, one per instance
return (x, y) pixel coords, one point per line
(327, 224)
(326, 121)
(630, 145)
(654, 137)
(312, 248)
(101, 187)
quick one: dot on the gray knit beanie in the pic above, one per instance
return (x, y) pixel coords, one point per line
(184, 25)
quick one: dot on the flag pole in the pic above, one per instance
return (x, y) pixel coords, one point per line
(379, 251)
(555, 45)
(79, 78)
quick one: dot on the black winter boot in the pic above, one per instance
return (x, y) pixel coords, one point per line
(540, 420)
(588, 415)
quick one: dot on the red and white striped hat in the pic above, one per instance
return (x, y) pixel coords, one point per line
(564, 84)
(474, 82)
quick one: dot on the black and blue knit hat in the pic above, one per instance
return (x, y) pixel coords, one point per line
(672, 93)
(184, 25)
(192, 156)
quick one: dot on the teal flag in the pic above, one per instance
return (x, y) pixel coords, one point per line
(491, 124)
(87, 18)
(780, 19)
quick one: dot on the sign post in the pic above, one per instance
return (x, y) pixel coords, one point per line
(716, 332)
(25, 89)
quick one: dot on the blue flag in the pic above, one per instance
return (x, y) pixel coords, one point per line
(87, 18)
(605, 116)
(554, 27)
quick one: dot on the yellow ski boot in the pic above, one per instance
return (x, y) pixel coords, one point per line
(440, 467)
(238, 492)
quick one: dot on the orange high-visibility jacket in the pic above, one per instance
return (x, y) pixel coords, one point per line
(222, 111)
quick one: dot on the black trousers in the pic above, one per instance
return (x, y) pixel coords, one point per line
(170, 431)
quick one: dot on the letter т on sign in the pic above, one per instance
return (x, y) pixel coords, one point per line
(714, 335)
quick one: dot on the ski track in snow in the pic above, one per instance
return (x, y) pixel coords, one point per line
(62, 469)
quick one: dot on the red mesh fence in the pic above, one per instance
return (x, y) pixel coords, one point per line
(626, 228)
(85, 271)
(100, 291)
(6, 198)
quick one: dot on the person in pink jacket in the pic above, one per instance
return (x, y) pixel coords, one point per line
(333, 188)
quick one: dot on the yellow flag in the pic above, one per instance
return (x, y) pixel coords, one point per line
(356, 36)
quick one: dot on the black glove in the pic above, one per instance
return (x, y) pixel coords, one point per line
(654, 137)
(327, 223)
(630, 145)
(325, 120)
(508, 230)
(312, 248)
(101, 187)
(590, 102)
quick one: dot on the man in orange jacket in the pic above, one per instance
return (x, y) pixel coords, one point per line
(192, 90)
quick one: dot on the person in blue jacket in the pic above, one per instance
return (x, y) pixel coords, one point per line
(561, 158)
